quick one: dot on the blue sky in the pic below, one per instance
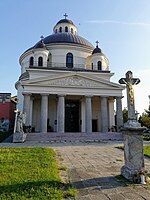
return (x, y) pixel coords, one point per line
(121, 27)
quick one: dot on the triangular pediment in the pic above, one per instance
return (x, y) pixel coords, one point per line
(73, 81)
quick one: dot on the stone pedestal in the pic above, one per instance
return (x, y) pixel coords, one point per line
(133, 152)
(19, 137)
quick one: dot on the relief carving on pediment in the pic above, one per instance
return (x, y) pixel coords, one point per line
(73, 81)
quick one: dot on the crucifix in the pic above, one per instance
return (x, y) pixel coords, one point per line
(129, 81)
(65, 15)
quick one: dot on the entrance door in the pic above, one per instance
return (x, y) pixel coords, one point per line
(71, 116)
(94, 125)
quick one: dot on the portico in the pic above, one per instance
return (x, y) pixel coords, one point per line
(69, 113)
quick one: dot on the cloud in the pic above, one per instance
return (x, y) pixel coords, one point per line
(117, 22)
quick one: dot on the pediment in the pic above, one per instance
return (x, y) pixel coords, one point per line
(73, 81)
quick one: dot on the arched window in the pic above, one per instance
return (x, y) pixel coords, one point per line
(40, 61)
(31, 62)
(66, 29)
(71, 30)
(60, 29)
(99, 65)
(69, 60)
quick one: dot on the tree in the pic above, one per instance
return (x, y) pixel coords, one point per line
(144, 119)
(125, 115)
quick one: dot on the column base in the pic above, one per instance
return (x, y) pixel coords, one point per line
(19, 137)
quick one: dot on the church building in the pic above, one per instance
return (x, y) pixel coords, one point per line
(65, 84)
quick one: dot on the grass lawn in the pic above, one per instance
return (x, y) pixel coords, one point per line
(31, 173)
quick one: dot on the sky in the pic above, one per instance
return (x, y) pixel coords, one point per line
(121, 27)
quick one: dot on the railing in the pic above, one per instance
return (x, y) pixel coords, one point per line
(52, 65)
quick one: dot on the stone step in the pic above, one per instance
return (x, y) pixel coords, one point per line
(72, 137)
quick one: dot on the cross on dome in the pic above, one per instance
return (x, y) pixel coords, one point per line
(97, 42)
(65, 15)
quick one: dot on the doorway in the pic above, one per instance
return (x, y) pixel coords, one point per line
(71, 116)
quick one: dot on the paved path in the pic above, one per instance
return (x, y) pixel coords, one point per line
(93, 169)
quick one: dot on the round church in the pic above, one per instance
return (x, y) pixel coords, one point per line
(65, 84)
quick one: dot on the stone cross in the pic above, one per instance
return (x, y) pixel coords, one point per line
(130, 81)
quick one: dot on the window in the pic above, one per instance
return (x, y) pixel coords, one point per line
(69, 60)
(31, 62)
(56, 31)
(99, 65)
(40, 61)
(60, 29)
(71, 30)
(66, 29)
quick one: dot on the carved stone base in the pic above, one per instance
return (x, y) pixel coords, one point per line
(130, 174)
(19, 137)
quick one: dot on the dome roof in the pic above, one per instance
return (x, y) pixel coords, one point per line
(40, 44)
(97, 50)
(64, 38)
(65, 21)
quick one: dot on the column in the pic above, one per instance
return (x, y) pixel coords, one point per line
(83, 115)
(44, 112)
(111, 113)
(61, 114)
(119, 115)
(104, 114)
(31, 110)
(26, 107)
(88, 115)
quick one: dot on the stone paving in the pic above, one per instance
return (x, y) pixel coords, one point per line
(94, 169)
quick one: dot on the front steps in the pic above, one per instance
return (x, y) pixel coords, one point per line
(74, 137)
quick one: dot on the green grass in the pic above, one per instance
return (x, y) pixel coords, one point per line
(31, 173)
(146, 150)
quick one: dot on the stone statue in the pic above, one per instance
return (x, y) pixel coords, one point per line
(130, 81)
(19, 135)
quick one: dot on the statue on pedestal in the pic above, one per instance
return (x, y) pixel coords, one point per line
(19, 135)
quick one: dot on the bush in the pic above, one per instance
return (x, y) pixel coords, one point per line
(4, 135)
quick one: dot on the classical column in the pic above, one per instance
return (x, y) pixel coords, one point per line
(82, 115)
(104, 114)
(61, 114)
(88, 115)
(44, 112)
(119, 114)
(26, 107)
(111, 112)
(31, 110)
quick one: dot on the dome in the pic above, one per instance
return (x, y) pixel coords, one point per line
(65, 21)
(64, 38)
(40, 44)
(97, 50)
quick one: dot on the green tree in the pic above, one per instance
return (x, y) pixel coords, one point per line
(125, 115)
(144, 119)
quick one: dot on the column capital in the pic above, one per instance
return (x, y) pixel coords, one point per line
(26, 93)
(61, 95)
(88, 96)
(44, 94)
(118, 97)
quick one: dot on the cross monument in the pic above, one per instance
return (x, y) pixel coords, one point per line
(129, 81)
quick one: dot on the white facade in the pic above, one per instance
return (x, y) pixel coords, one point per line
(65, 84)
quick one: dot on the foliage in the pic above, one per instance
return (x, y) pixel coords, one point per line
(144, 119)
(125, 115)
(31, 173)
(4, 135)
